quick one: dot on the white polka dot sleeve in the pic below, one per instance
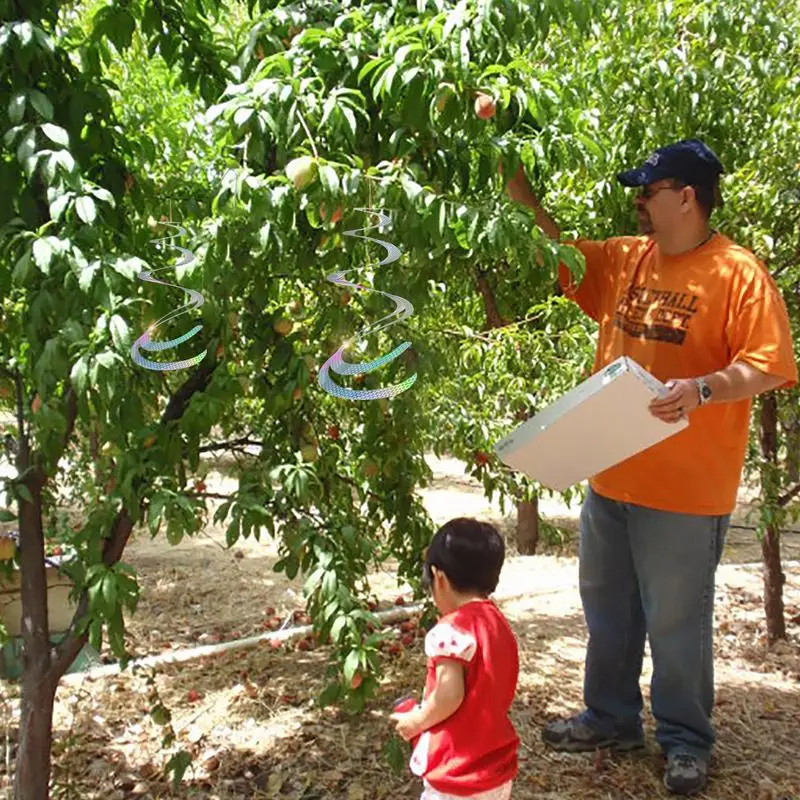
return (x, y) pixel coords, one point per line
(445, 641)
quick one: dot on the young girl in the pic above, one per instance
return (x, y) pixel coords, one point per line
(467, 746)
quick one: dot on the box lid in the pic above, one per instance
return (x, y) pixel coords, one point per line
(598, 424)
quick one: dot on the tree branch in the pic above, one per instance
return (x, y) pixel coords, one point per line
(114, 545)
(72, 416)
(350, 481)
(245, 440)
(490, 304)
(789, 495)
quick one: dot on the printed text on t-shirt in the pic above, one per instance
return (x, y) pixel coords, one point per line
(660, 314)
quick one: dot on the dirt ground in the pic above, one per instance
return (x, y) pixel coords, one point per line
(249, 717)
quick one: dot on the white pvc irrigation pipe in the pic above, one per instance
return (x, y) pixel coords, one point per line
(387, 617)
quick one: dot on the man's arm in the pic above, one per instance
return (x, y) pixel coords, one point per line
(739, 381)
(519, 190)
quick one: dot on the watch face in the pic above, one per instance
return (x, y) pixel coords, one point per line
(706, 392)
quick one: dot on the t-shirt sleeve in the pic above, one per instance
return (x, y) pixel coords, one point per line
(446, 641)
(590, 293)
(758, 329)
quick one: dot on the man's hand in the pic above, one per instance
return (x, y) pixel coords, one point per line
(682, 398)
(408, 723)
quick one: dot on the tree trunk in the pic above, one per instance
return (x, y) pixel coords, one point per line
(770, 544)
(774, 579)
(528, 526)
(32, 777)
(793, 452)
(493, 318)
(527, 513)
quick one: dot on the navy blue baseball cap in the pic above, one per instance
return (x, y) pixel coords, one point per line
(690, 161)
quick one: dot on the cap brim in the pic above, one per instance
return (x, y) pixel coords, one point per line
(634, 177)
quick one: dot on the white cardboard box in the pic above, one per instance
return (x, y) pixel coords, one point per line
(598, 424)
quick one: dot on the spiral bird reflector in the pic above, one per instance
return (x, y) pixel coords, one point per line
(195, 301)
(403, 309)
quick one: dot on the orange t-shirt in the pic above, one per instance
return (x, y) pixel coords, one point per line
(683, 317)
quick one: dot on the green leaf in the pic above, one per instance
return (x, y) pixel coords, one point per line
(86, 209)
(110, 590)
(338, 625)
(42, 105)
(350, 120)
(242, 115)
(42, 255)
(351, 665)
(27, 146)
(16, 107)
(370, 66)
(6, 515)
(120, 333)
(87, 274)
(55, 134)
(330, 694)
(395, 753)
(79, 374)
(103, 195)
(58, 206)
(329, 178)
(178, 765)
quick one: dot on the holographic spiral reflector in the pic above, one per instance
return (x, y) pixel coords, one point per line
(195, 301)
(403, 309)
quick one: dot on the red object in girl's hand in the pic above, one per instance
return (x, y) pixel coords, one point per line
(404, 704)
(401, 706)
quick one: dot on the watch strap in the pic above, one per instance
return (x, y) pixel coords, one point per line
(703, 391)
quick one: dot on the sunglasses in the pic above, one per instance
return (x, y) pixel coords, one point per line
(646, 192)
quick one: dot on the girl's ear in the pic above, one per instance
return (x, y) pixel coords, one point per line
(440, 579)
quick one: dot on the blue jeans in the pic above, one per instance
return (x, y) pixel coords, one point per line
(648, 572)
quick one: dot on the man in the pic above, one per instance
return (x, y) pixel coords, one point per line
(704, 316)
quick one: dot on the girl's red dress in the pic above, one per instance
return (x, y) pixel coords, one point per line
(474, 750)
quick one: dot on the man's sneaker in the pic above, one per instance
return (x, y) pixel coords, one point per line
(685, 774)
(575, 736)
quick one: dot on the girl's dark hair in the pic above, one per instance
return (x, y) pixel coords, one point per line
(469, 552)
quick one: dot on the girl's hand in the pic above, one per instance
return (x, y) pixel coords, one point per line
(408, 723)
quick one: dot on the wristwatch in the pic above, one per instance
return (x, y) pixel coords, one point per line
(703, 390)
